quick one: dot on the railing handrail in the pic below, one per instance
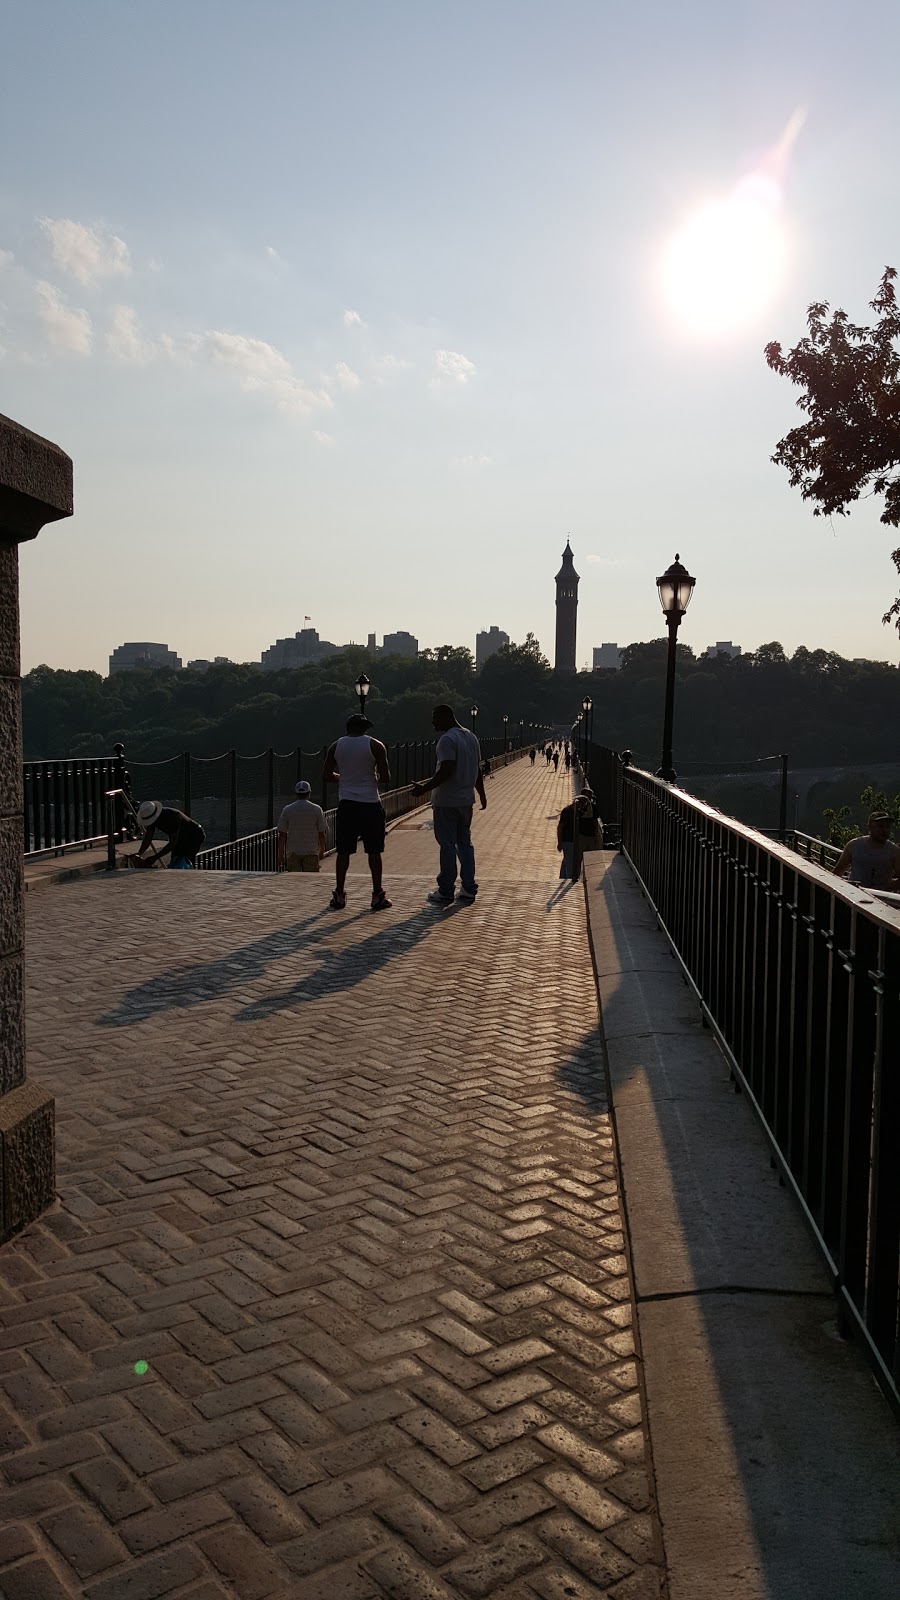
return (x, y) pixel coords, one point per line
(797, 972)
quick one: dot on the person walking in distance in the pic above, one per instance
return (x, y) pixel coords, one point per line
(872, 861)
(359, 764)
(301, 833)
(453, 789)
(556, 761)
(531, 755)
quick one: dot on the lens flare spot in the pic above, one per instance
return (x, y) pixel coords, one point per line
(141, 1367)
(726, 261)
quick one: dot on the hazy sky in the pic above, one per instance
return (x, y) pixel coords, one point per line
(356, 310)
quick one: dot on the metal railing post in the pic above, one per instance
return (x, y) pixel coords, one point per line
(186, 783)
(782, 807)
(232, 785)
(270, 787)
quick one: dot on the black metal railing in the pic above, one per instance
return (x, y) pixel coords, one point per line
(799, 975)
(64, 801)
(230, 795)
(812, 849)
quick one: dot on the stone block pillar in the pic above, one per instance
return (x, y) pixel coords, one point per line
(35, 487)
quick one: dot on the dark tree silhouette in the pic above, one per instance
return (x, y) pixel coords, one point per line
(850, 377)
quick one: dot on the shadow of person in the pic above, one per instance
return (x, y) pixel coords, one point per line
(349, 965)
(211, 980)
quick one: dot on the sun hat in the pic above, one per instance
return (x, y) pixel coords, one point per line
(302, 787)
(359, 721)
(148, 812)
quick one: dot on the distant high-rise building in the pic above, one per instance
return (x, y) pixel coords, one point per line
(203, 665)
(722, 647)
(305, 646)
(607, 658)
(400, 644)
(567, 581)
(127, 656)
(371, 646)
(488, 642)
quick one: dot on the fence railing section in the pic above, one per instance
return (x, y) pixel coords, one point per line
(258, 852)
(231, 796)
(64, 801)
(799, 975)
(818, 850)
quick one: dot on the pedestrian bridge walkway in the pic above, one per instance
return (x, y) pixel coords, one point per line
(335, 1300)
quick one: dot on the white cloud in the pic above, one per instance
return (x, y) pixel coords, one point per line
(6, 258)
(262, 370)
(324, 439)
(346, 377)
(84, 253)
(353, 319)
(124, 340)
(252, 358)
(451, 367)
(64, 329)
(471, 461)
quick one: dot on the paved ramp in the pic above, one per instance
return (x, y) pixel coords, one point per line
(334, 1302)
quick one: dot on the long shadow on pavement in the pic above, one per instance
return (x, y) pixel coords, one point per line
(338, 969)
(344, 968)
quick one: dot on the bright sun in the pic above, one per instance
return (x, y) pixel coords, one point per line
(725, 263)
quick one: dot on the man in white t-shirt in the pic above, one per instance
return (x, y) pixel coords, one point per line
(360, 765)
(453, 789)
(301, 833)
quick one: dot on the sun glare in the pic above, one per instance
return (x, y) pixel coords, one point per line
(726, 261)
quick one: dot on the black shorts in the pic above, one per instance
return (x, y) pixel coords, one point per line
(359, 819)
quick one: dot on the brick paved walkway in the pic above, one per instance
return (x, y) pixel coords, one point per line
(345, 1184)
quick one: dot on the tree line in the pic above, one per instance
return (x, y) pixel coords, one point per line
(814, 705)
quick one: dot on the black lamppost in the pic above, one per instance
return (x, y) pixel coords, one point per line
(675, 589)
(587, 706)
(362, 688)
(505, 721)
(473, 713)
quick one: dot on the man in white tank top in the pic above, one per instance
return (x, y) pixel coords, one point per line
(358, 764)
(871, 860)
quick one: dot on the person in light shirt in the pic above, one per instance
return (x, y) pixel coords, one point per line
(301, 833)
(453, 789)
(359, 764)
(872, 861)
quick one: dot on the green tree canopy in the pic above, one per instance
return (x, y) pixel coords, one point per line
(850, 381)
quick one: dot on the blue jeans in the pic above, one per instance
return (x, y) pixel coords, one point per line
(453, 832)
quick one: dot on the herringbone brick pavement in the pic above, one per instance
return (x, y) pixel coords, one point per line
(334, 1302)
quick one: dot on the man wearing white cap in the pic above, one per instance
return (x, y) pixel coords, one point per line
(301, 833)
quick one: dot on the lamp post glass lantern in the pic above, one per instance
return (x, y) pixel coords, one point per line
(587, 706)
(362, 687)
(473, 715)
(505, 721)
(675, 588)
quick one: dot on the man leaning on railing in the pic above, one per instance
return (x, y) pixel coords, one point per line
(871, 861)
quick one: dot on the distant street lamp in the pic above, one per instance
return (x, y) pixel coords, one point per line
(587, 706)
(675, 589)
(473, 713)
(362, 688)
(505, 721)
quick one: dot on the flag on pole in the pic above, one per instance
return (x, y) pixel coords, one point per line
(307, 619)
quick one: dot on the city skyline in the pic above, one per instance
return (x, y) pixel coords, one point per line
(401, 367)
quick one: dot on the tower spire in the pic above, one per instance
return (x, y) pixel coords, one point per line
(567, 581)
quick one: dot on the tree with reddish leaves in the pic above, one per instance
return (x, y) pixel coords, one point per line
(850, 446)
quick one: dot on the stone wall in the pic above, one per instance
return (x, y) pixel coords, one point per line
(35, 488)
